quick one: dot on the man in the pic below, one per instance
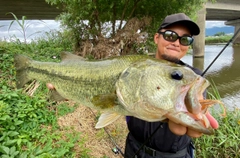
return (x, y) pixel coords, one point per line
(166, 139)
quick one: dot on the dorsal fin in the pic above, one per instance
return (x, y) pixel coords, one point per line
(69, 56)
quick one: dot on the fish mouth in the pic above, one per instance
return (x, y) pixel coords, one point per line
(194, 94)
(193, 107)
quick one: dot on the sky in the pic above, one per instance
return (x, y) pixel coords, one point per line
(36, 28)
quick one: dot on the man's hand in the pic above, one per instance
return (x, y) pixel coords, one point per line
(181, 130)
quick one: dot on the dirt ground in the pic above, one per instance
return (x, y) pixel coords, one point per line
(99, 143)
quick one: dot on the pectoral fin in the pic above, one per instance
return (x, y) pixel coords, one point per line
(104, 101)
(106, 119)
(55, 96)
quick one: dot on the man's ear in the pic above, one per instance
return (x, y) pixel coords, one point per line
(156, 38)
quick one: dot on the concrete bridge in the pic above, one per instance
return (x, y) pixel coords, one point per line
(32, 9)
(222, 10)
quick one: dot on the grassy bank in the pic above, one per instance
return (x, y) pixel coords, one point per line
(217, 39)
(225, 142)
(33, 127)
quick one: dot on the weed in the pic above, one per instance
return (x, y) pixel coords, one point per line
(225, 142)
(23, 24)
(64, 108)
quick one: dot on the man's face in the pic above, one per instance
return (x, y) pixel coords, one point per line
(174, 50)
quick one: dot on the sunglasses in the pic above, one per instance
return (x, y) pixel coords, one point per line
(172, 36)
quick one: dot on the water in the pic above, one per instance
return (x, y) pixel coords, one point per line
(225, 72)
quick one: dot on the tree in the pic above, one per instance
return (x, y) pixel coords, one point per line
(219, 34)
(105, 28)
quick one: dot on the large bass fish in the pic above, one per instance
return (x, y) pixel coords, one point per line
(135, 85)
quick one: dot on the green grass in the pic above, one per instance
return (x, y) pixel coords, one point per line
(217, 39)
(225, 142)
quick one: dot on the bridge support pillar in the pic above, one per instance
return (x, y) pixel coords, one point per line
(236, 24)
(199, 41)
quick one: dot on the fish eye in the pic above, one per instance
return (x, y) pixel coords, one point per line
(177, 75)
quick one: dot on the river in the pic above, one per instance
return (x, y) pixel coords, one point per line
(225, 72)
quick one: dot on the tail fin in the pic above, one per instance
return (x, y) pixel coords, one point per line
(21, 63)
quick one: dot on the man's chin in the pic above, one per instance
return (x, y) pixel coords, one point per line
(169, 58)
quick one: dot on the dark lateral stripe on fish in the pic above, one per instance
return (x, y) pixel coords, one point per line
(58, 75)
(103, 101)
(65, 77)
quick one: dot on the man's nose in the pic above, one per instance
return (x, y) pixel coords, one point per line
(177, 42)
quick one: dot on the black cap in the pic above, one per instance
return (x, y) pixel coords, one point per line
(180, 18)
